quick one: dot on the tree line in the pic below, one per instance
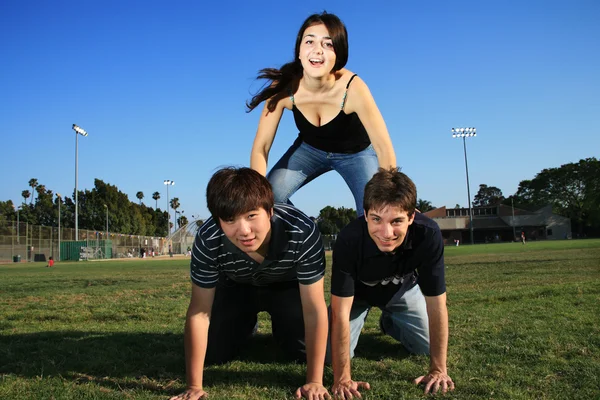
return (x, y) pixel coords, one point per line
(124, 216)
(572, 189)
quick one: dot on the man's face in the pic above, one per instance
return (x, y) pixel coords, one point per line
(250, 231)
(388, 226)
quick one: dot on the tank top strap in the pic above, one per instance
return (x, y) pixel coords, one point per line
(346, 92)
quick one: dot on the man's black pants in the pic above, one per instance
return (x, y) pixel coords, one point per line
(234, 316)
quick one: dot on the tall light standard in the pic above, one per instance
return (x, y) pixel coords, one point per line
(106, 207)
(513, 218)
(18, 223)
(465, 133)
(168, 182)
(59, 200)
(78, 131)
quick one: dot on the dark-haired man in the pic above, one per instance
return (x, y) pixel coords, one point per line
(390, 258)
(253, 255)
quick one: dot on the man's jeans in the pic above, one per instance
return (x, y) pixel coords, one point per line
(404, 318)
(302, 163)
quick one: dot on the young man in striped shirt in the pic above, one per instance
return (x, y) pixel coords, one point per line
(253, 255)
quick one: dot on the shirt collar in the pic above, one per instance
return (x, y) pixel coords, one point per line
(279, 239)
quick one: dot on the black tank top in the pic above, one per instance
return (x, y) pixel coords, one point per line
(343, 134)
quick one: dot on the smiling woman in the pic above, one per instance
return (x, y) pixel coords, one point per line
(340, 125)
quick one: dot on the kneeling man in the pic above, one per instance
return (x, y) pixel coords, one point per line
(389, 258)
(253, 255)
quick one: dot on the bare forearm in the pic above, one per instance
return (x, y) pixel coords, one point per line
(340, 349)
(258, 162)
(315, 331)
(438, 340)
(385, 154)
(196, 338)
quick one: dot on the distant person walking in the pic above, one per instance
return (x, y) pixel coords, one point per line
(523, 237)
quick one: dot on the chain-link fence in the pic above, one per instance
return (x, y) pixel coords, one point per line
(25, 242)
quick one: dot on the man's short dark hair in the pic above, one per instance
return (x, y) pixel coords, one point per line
(234, 191)
(390, 187)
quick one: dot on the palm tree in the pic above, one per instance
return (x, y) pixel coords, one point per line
(424, 205)
(182, 221)
(26, 194)
(33, 182)
(175, 204)
(40, 189)
(140, 196)
(156, 196)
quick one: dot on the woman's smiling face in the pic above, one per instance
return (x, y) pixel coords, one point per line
(317, 54)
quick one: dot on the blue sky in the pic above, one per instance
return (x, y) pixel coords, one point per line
(161, 87)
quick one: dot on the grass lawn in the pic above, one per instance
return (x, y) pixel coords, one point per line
(524, 324)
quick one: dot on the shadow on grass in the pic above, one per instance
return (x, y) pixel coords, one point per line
(149, 361)
(377, 346)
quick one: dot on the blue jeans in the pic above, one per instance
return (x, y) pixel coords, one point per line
(302, 163)
(404, 318)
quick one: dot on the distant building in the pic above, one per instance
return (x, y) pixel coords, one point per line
(496, 224)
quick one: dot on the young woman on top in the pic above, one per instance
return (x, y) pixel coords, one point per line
(340, 126)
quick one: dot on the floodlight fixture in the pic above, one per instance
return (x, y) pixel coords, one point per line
(78, 131)
(464, 133)
(169, 182)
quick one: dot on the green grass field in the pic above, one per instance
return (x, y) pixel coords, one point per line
(524, 324)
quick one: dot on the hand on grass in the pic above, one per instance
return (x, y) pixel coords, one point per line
(313, 391)
(435, 381)
(349, 389)
(191, 394)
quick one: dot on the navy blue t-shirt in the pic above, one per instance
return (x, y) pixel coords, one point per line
(361, 270)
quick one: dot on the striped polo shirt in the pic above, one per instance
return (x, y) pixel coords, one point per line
(295, 253)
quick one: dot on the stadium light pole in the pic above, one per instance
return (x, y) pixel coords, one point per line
(18, 223)
(512, 204)
(106, 207)
(82, 132)
(59, 200)
(465, 133)
(168, 182)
